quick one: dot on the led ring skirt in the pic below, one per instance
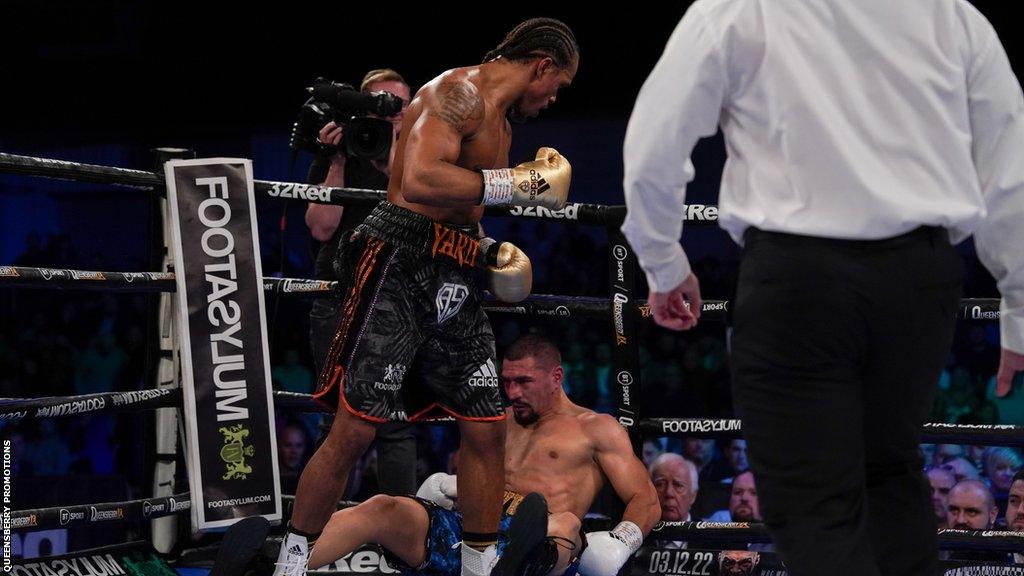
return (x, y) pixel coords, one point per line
(622, 309)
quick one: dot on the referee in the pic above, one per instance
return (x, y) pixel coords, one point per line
(864, 139)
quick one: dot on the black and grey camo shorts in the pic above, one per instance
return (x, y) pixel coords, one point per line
(413, 340)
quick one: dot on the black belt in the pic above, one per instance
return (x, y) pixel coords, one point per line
(932, 233)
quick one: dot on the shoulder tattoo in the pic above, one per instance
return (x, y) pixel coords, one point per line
(458, 104)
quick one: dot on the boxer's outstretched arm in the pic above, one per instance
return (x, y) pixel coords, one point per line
(625, 472)
(451, 113)
(608, 551)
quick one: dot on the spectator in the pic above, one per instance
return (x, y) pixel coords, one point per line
(1001, 464)
(1015, 503)
(942, 482)
(675, 479)
(329, 224)
(971, 506)
(1015, 510)
(736, 454)
(292, 449)
(743, 503)
(962, 469)
(733, 462)
(700, 451)
(976, 454)
(945, 452)
(652, 448)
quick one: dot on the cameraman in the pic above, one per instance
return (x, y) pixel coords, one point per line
(396, 446)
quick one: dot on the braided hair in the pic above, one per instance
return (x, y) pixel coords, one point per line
(537, 38)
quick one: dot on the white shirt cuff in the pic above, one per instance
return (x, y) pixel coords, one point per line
(1011, 328)
(664, 274)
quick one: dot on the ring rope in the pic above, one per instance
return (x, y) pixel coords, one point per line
(580, 213)
(534, 305)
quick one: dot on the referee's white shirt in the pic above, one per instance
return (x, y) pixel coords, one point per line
(857, 119)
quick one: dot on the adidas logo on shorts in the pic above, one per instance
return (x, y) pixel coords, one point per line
(485, 376)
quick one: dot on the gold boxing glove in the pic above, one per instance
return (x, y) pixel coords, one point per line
(542, 182)
(509, 272)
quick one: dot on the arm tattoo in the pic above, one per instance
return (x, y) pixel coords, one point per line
(458, 105)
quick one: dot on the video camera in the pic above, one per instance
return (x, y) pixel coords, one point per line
(364, 136)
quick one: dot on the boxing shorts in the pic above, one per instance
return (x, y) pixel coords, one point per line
(444, 557)
(413, 340)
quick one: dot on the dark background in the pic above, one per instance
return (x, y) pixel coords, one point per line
(151, 72)
(105, 81)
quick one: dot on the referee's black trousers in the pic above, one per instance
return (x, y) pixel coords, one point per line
(836, 351)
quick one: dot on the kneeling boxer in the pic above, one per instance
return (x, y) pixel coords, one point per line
(556, 449)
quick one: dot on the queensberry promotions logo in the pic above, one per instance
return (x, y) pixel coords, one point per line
(24, 521)
(87, 275)
(449, 300)
(234, 451)
(291, 285)
(174, 505)
(97, 515)
(978, 314)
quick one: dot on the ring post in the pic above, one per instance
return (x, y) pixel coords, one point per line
(165, 530)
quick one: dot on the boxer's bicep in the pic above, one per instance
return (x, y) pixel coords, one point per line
(624, 470)
(430, 166)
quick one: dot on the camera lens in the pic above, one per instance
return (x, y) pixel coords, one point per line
(368, 138)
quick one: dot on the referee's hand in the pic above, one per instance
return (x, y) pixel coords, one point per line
(679, 308)
(1010, 363)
